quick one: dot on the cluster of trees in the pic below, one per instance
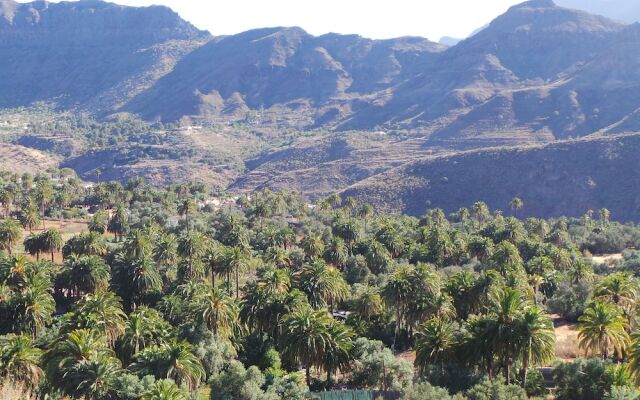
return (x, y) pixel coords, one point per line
(270, 297)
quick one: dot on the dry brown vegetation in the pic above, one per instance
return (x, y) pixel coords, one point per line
(23, 159)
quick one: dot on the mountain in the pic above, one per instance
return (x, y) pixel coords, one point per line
(560, 179)
(264, 68)
(89, 55)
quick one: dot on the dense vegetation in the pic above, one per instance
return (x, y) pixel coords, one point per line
(173, 294)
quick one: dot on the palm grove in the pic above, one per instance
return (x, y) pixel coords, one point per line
(267, 297)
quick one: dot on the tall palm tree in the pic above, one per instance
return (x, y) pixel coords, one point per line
(99, 222)
(217, 310)
(119, 222)
(601, 327)
(619, 289)
(84, 274)
(347, 230)
(165, 251)
(336, 253)
(186, 207)
(536, 339)
(305, 337)
(365, 212)
(235, 261)
(481, 248)
(323, 284)
(145, 327)
(10, 234)
(67, 354)
(133, 279)
(312, 245)
(634, 356)
(34, 306)
(102, 312)
(93, 379)
(516, 204)
(52, 241)
(6, 199)
(397, 294)
(339, 350)
(43, 197)
(138, 245)
(192, 247)
(33, 244)
(20, 360)
(367, 301)
(435, 340)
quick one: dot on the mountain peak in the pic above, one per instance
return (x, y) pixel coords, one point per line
(536, 4)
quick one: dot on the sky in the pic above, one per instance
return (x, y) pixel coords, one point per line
(377, 19)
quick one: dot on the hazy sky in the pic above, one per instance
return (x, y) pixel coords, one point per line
(370, 18)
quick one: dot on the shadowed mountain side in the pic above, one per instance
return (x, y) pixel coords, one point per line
(565, 178)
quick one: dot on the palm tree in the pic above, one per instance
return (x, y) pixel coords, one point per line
(29, 218)
(323, 285)
(217, 310)
(536, 338)
(165, 389)
(145, 327)
(602, 326)
(516, 204)
(186, 207)
(312, 245)
(138, 245)
(102, 312)
(349, 232)
(634, 356)
(10, 234)
(619, 289)
(34, 306)
(336, 252)
(480, 248)
(93, 379)
(119, 222)
(367, 301)
(19, 360)
(99, 222)
(305, 337)
(434, 343)
(165, 251)
(506, 254)
(133, 279)
(6, 199)
(65, 358)
(84, 274)
(43, 197)
(339, 350)
(365, 212)
(173, 360)
(235, 260)
(33, 244)
(192, 247)
(396, 294)
(52, 241)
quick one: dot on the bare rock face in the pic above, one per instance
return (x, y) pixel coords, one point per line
(88, 54)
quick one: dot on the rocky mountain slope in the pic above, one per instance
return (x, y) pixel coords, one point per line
(565, 178)
(88, 55)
